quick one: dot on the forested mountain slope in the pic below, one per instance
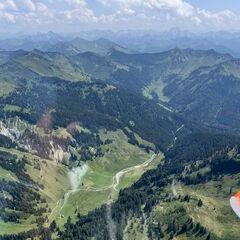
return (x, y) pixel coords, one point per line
(183, 80)
(201, 85)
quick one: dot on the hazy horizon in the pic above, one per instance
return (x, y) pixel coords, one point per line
(85, 34)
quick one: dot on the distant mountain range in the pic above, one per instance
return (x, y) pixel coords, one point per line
(152, 42)
(127, 41)
(38, 41)
(56, 43)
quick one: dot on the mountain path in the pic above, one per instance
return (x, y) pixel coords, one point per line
(113, 186)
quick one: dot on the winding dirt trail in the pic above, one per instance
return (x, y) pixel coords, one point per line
(113, 186)
(112, 228)
(118, 176)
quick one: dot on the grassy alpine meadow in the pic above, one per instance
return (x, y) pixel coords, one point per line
(99, 185)
(222, 221)
(12, 228)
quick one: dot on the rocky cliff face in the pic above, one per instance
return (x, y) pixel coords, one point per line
(33, 139)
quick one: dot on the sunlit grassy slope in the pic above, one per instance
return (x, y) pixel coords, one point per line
(215, 213)
(97, 184)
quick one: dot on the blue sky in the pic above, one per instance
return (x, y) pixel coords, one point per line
(217, 5)
(77, 15)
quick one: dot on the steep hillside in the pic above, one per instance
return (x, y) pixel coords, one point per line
(101, 105)
(201, 85)
(209, 95)
(52, 65)
(164, 68)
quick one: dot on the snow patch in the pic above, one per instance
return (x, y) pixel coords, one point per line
(75, 176)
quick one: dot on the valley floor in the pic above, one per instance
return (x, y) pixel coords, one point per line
(92, 194)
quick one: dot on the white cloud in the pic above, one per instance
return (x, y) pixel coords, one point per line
(178, 7)
(218, 17)
(118, 14)
(5, 7)
(79, 12)
(81, 3)
(5, 16)
(43, 10)
(80, 15)
(172, 12)
(29, 4)
(2, 6)
(10, 4)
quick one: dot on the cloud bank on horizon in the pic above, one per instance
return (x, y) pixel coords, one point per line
(76, 15)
